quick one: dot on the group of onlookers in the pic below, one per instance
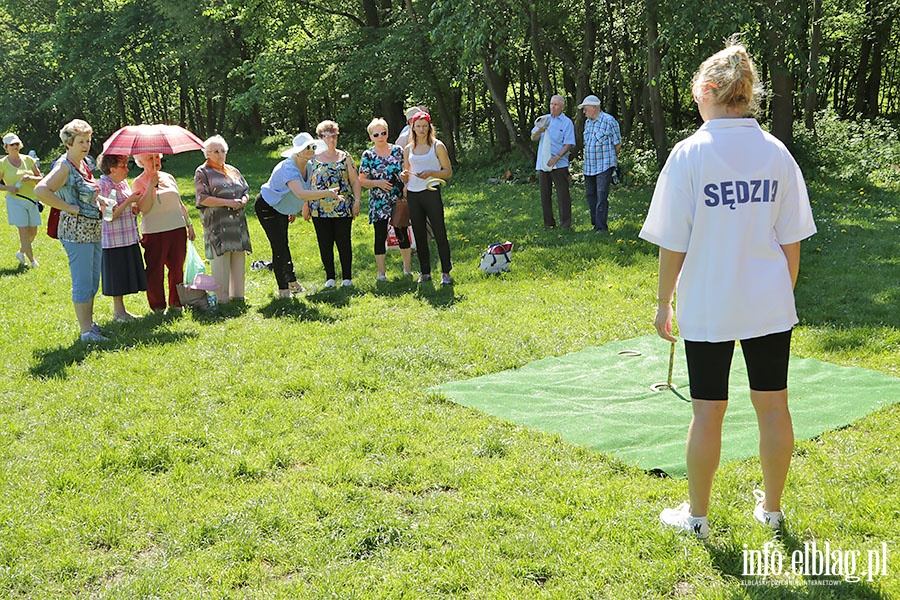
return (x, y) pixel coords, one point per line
(316, 180)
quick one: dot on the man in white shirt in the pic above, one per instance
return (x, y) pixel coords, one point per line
(556, 133)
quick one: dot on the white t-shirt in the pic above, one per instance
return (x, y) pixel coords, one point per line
(729, 196)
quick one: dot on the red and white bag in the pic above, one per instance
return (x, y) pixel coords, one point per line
(393, 244)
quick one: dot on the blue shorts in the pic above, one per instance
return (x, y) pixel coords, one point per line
(709, 364)
(22, 213)
(84, 265)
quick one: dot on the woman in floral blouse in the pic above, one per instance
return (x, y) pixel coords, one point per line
(332, 219)
(222, 193)
(379, 171)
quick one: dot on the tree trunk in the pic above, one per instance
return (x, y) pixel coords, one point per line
(811, 98)
(537, 49)
(497, 90)
(653, 83)
(782, 103)
(862, 69)
(882, 35)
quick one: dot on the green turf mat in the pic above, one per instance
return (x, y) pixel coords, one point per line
(601, 398)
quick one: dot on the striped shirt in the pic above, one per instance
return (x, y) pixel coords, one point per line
(121, 231)
(601, 135)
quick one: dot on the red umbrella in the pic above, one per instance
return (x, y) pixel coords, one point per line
(151, 139)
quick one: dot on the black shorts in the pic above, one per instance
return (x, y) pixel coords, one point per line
(709, 364)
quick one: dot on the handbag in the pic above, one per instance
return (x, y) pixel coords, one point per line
(496, 258)
(400, 213)
(53, 223)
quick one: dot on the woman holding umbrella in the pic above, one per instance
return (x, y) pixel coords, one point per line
(70, 187)
(222, 193)
(165, 226)
(19, 174)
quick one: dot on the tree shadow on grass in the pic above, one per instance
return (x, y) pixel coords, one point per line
(292, 308)
(730, 560)
(55, 362)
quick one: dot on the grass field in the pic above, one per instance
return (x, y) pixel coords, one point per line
(291, 448)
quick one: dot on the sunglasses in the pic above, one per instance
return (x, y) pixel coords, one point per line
(379, 134)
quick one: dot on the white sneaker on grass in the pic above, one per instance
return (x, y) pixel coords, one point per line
(680, 518)
(92, 336)
(772, 518)
(346, 283)
(329, 283)
(21, 257)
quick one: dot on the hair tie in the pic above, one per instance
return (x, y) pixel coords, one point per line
(735, 60)
(421, 115)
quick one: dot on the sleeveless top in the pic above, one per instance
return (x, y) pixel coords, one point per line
(421, 162)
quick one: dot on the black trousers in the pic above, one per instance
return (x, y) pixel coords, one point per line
(381, 232)
(275, 225)
(427, 206)
(331, 232)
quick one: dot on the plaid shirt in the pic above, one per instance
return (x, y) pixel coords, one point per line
(600, 138)
(121, 231)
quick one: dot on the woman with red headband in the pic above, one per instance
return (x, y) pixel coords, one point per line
(425, 159)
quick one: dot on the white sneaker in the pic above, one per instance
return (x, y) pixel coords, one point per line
(773, 518)
(381, 277)
(680, 518)
(329, 283)
(346, 283)
(35, 263)
(22, 260)
(93, 336)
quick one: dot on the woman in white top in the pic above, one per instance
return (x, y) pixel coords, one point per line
(728, 214)
(423, 158)
(165, 229)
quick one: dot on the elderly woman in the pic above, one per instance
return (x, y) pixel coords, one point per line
(423, 158)
(19, 173)
(379, 171)
(222, 193)
(332, 219)
(165, 226)
(70, 187)
(286, 193)
(122, 265)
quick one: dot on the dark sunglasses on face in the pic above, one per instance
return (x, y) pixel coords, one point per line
(379, 134)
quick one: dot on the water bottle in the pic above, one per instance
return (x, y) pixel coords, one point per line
(213, 300)
(110, 205)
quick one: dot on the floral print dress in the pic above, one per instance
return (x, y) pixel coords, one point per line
(330, 175)
(387, 168)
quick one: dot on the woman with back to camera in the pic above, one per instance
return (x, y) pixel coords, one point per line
(379, 171)
(166, 228)
(728, 214)
(122, 265)
(423, 158)
(19, 174)
(222, 193)
(71, 188)
(333, 219)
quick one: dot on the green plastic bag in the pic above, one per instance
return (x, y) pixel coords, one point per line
(193, 264)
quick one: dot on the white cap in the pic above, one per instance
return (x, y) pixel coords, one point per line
(591, 100)
(11, 138)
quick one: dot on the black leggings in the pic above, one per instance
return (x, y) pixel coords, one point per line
(331, 232)
(709, 364)
(426, 206)
(275, 225)
(381, 231)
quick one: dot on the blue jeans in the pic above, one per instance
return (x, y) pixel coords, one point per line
(596, 188)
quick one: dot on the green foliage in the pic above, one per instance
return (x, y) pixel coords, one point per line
(853, 152)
